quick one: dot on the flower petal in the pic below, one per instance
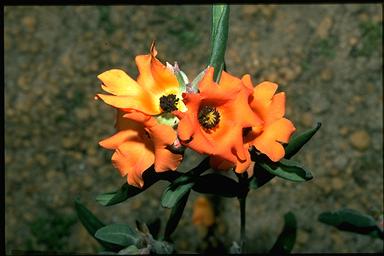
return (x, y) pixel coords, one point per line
(155, 76)
(268, 141)
(117, 139)
(132, 158)
(117, 82)
(142, 102)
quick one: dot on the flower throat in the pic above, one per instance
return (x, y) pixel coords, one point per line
(168, 103)
(209, 117)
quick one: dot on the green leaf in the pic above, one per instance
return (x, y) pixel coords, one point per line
(287, 237)
(298, 141)
(175, 216)
(176, 190)
(352, 221)
(120, 234)
(127, 191)
(260, 177)
(219, 37)
(183, 184)
(287, 169)
(91, 223)
(130, 250)
(217, 184)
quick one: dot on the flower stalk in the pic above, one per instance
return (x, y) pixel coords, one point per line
(244, 185)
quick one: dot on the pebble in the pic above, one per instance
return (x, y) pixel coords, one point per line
(326, 74)
(340, 162)
(307, 119)
(68, 142)
(337, 183)
(353, 40)
(360, 140)
(302, 236)
(322, 30)
(319, 103)
(29, 22)
(287, 74)
(343, 130)
(82, 113)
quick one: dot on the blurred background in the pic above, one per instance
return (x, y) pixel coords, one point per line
(327, 58)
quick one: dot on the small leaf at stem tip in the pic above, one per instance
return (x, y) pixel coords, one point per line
(352, 221)
(287, 169)
(287, 237)
(298, 141)
(120, 234)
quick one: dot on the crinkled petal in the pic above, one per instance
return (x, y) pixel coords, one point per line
(143, 102)
(118, 138)
(154, 76)
(117, 82)
(132, 158)
(268, 142)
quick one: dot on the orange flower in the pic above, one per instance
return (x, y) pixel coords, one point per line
(216, 116)
(276, 129)
(155, 92)
(140, 142)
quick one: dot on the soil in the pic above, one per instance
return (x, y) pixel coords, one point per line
(328, 59)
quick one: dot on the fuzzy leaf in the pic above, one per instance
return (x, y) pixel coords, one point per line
(127, 191)
(182, 185)
(120, 234)
(298, 141)
(287, 169)
(286, 240)
(176, 190)
(92, 224)
(352, 221)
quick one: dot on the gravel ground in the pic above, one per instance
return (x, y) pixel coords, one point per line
(327, 58)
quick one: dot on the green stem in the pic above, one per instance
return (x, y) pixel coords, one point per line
(242, 223)
(244, 184)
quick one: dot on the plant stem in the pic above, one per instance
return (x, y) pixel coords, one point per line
(242, 223)
(244, 183)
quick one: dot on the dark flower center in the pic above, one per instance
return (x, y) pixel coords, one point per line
(208, 117)
(168, 103)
